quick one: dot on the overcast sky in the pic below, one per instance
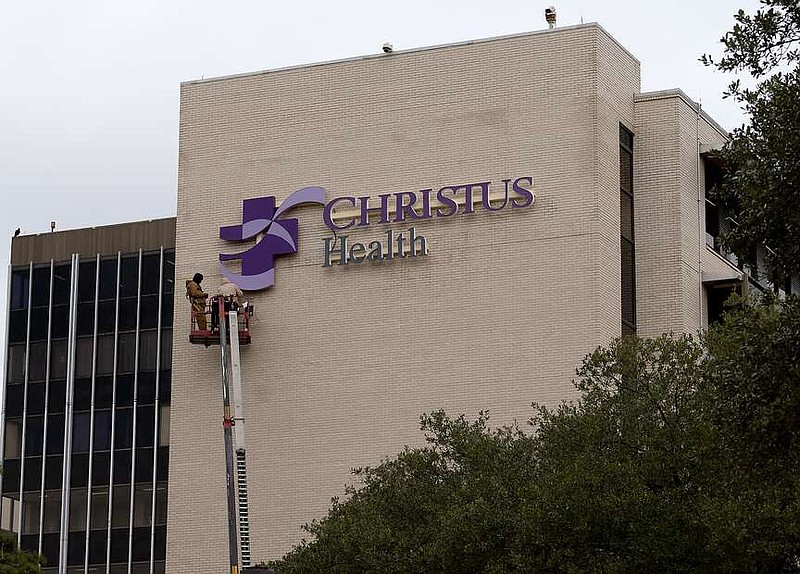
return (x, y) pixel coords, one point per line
(89, 89)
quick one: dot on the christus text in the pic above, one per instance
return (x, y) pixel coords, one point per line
(340, 251)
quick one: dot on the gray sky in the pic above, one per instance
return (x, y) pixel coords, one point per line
(89, 89)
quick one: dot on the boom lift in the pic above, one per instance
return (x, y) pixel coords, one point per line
(229, 333)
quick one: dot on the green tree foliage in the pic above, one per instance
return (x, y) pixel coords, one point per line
(682, 455)
(16, 561)
(763, 187)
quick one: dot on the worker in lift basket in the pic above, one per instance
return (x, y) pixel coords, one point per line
(231, 293)
(197, 297)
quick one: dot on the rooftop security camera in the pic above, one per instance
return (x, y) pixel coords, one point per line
(550, 16)
(387, 48)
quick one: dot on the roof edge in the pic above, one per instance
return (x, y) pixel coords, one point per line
(680, 94)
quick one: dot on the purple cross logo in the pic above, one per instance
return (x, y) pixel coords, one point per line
(259, 216)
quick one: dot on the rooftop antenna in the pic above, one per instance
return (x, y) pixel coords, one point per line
(52, 226)
(550, 16)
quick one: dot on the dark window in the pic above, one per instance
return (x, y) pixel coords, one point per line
(123, 433)
(168, 285)
(119, 546)
(161, 503)
(11, 470)
(16, 364)
(77, 510)
(50, 548)
(83, 357)
(57, 397)
(108, 278)
(129, 277)
(162, 463)
(52, 511)
(30, 512)
(151, 273)
(32, 473)
(97, 539)
(121, 506)
(160, 546)
(59, 321)
(627, 248)
(163, 424)
(87, 279)
(83, 394)
(102, 430)
(125, 390)
(126, 352)
(103, 392)
(148, 318)
(148, 350)
(14, 400)
(18, 326)
(166, 348)
(13, 438)
(167, 308)
(41, 286)
(75, 548)
(127, 314)
(80, 469)
(85, 318)
(144, 465)
(40, 319)
(81, 432)
(37, 362)
(58, 359)
(53, 471)
(101, 468)
(146, 388)
(145, 425)
(55, 433)
(122, 466)
(20, 279)
(165, 385)
(61, 284)
(105, 355)
(106, 316)
(142, 506)
(34, 435)
(36, 394)
(141, 546)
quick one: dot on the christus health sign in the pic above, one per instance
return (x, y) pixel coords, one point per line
(409, 207)
(269, 234)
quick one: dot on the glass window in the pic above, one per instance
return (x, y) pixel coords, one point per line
(13, 438)
(83, 394)
(78, 499)
(85, 318)
(168, 285)
(626, 215)
(145, 425)
(18, 326)
(53, 472)
(122, 466)
(16, 364)
(40, 319)
(97, 545)
(87, 278)
(628, 284)
(58, 359)
(61, 284)
(34, 435)
(146, 388)
(148, 314)
(125, 390)
(129, 277)
(55, 433)
(101, 467)
(11, 476)
(10, 513)
(119, 551)
(121, 506)
(105, 355)
(163, 425)
(57, 399)
(144, 465)
(37, 363)
(32, 480)
(142, 504)
(36, 394)
(50, 550)
(30, 512)
(99, 517)
(162, 463)
(83, 357)
(102, 430)
(41, 286)
(161, 503)
(108, 278)
(52, 511)
(128, 308)
(59, 321)
(151, 273)
(123, 433)
(14, 399)
(79, 469)
(20, 279)
(126, 353)
(167, 309)
(80, 432)
(148, 349)
(76, 546)
(103, 392)
(106, 316)
(166, 348)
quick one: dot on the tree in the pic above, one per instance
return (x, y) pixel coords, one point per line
(16, 561)
(682, 455)
(763, 186)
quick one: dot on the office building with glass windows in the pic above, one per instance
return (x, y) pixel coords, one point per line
(87, 396)
(451, 227)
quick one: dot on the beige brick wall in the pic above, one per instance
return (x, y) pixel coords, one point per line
(345, 359)
(669, 207)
